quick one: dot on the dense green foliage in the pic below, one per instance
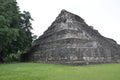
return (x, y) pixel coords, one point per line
(15, 31)
(36, 71)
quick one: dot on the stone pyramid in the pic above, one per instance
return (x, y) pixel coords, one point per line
(70, 40)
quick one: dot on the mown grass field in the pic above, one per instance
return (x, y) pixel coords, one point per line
(37, 71)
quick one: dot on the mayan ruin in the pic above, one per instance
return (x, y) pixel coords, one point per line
(70, 40)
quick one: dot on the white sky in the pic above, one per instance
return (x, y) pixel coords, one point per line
(104, 15)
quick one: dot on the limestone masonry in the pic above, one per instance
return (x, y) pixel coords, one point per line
(70, 40)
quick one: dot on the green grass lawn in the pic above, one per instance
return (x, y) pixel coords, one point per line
(38, 71)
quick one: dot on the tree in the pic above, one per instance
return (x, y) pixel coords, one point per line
(15, 30)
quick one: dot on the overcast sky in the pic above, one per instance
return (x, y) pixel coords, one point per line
(104, 15)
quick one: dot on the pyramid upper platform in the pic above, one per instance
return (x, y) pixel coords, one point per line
(68, 16)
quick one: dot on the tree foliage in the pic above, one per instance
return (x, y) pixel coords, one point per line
(15, 29)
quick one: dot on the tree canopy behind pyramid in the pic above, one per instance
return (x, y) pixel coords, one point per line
(70, 40)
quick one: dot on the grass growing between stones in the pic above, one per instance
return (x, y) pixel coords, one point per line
(38, 71)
